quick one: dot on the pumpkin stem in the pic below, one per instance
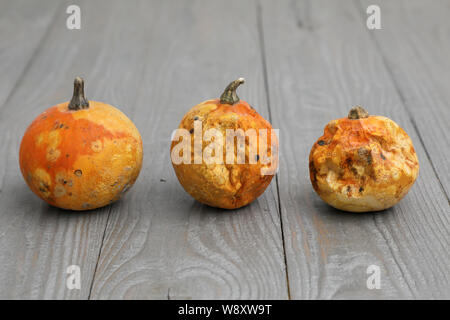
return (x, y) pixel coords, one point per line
(229, 96)
(357, 113)
(78, 101)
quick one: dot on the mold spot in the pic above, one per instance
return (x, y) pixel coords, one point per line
(86, 205)
(53, 154)
(78, 173)
(195, 118)
(361, 189)
(321, 143)
(382, 156)
(257, 157)
(97, 146)
(59, 191)
(365, 155)
(191, 131)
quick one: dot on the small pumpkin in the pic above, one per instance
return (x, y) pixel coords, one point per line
(81, 154)
(363, 163)
(227, 185)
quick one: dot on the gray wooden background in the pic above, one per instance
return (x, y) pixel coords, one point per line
(305, 62)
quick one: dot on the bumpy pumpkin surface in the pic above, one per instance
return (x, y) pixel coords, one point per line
(227, 186)
(83, 157)
(363, 163)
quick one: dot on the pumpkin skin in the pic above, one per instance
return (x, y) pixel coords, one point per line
(226, 186)
(81, 159)
(363, 164)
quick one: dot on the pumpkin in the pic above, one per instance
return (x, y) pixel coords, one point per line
(363, 163)
(227, 184)
(81, 154)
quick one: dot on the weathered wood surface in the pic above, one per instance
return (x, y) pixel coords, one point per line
(321, 60)
(415, 46)
(39, 242)
(305, 62)
(160, 243)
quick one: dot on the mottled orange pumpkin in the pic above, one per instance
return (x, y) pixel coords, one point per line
(363, 163)
(227, 185)
(81, 154)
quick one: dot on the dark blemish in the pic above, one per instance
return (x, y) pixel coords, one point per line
(44, 117)
(67, 155)
(70, 193)
(361, 189)
(348, 161)
(191, 131)
(321, 143)
(348, 188)
(195, 118)
(61, 125)
(78, 173)
(162, 180)
(364, 153)
(257, 157)
(382, 156)
(66, 127)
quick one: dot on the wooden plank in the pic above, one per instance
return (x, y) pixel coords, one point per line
(160, 243)
(23, 26)
(38, 242)
(415, 44)
(322, 60)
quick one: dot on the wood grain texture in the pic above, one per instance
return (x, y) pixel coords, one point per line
(22, 29)
(305, 63)
(160, 243)
(321, 61)
(39, 242)
(416, 48)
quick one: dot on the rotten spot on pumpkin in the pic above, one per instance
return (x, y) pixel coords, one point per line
(78, 173)
(191, 131)
(59, 191)
(361, 189)
(257, 157)
(97, 146)
(321, 143)
(86, 205)
(382, 156)
(365, 155)
(195, 118)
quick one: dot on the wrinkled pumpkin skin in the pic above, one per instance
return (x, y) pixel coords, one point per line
(363, 165)
(81, 159)
(226, 186)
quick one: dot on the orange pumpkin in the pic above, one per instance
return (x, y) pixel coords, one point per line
(226, 185)
(363, 163)
(81, 154)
